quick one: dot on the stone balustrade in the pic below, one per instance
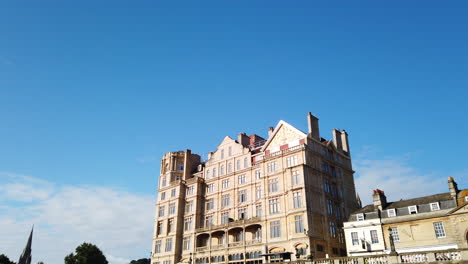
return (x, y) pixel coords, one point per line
(446, 256)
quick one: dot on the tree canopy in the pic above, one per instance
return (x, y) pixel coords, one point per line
(86, 253)
(5, 260)
(141, 261)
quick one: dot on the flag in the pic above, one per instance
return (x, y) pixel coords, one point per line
(25, 258)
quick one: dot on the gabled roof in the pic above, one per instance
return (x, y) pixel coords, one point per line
(280, 124)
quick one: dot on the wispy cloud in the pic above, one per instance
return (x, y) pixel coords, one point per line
(396, 176)
(118, 222)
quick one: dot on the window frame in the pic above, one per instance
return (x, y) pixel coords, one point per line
(439, 230)
(393, 210)
(360, 217)
(415, 207)
(437, 206)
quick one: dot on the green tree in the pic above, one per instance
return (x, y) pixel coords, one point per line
(40, 262)
(5, 260)
(86, 253)
(140, 261)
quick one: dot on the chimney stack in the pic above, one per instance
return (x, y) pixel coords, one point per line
(270, 131)
(344, 141)
(243, 139)
(337, 139)
(313, 126)
(380, 200)
(453, 188)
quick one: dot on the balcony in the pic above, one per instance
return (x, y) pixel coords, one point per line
(240, 222)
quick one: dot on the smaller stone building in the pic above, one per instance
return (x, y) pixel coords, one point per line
(429, 223)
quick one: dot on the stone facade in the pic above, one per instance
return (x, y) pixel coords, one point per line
(255, 200)
(430, 223)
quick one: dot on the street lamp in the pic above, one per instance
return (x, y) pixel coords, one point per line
(190, 259)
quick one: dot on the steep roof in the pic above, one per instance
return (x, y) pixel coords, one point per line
(419, 200)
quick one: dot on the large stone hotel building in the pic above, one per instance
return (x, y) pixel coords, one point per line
(256, 200)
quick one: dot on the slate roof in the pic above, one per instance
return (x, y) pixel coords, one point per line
(419, 200)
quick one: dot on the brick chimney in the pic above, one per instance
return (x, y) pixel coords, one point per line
(380, 200)
(243, 139)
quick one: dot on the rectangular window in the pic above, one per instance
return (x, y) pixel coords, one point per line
(258, 192)
(354, 238)
(157, 246)
(210, 204)
(333, 171)
(238, 167)
(296, 179)
(242, 213)
(246, 163)
(229, 167)
(332, 229)
(325, 167)
(258, 210)
(215, 172)
(210, 188)
(394, 234)
(168, 244)
(189, 207)
(258, 174)
(275, 229)
(273, 185)
(207, 174)
(225, 218)
(225, 200)
(188, 223)
(327, 186)
(170, 225)
(271, 167)
(391, 212)
(173, 192)
(330, 207)
(439, 229)
(274, 206)
(435, 206)
(171, 208)
(164, 182)
(167, 262)
(297, 200)
(189, 190)
(360, 217)
(161, 211)
(242, 196)
(221, 170)
(208, 220)
(225, 183)
(229, 151)
(163, 196)
(413, 209)
(160, 228)
(241, 179)
(186, 243)
(299, 225)
(222, 154)
(291, 161)
(374, 237)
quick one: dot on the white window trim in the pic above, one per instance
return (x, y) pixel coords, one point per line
(466, 198)
(360, 217)
(412, 207)
(438, 206)
(391, 210)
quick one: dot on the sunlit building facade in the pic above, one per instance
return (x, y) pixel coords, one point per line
(256, 200)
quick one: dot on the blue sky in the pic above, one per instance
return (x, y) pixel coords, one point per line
(93, 93)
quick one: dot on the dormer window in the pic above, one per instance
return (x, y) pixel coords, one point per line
(413, 209)
(435, 206)
(360, 217)
(391, 212)
(466, 198)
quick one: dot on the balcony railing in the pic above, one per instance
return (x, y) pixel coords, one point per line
(240, 222)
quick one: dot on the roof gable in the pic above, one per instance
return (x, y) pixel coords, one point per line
(283, 134)
(462, 209)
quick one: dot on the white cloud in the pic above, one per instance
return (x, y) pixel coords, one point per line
(118, 222)
(396, 177)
